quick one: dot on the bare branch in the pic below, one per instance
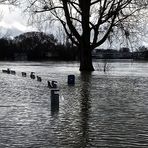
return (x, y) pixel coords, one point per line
(95, 2)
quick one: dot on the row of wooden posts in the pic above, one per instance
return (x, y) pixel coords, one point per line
(51, 84)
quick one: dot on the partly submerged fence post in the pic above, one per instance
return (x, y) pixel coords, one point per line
(54, 100)
(71, 79)
(24, 74)
(32, 75)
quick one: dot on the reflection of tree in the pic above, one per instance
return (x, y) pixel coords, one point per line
(85, 106)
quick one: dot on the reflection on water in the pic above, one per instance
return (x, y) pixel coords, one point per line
(85, 81)
(101, 110)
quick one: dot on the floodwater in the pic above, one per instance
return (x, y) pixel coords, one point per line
(106, 110)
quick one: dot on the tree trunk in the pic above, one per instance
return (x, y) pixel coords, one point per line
(85, 58)
(85, 51)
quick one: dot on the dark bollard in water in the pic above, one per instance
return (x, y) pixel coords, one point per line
(49, 84)
(54, 84)
(55, 100)
(71, 79)
(24, 74)
(8, 70)
(39, 79)
(12, 72)
(32, 75)
(4, 71)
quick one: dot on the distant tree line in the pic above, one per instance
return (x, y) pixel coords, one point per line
(140, 53)
(122, 53)
(36, 46)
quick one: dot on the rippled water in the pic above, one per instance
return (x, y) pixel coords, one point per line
(106, 110)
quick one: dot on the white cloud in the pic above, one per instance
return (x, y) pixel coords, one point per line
(12, 17)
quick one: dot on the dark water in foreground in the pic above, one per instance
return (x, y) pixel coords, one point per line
(106, 110)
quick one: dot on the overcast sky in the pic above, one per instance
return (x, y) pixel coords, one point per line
(13, 19)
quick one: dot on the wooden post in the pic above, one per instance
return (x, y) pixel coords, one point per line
(24, 74)
(71, 79)
(32, 75)
(54, 100)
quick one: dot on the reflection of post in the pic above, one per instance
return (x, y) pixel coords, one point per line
(54, 100)
(85, 106)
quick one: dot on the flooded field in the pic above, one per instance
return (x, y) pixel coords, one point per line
(106, 110)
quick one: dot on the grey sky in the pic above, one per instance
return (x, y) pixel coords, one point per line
(12, 18)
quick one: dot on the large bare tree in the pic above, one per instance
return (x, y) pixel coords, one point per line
(88, 23)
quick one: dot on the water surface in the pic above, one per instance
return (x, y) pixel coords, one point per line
(106, 110)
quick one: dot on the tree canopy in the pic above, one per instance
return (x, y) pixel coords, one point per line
(99, 18)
